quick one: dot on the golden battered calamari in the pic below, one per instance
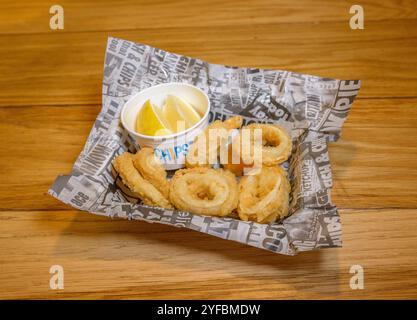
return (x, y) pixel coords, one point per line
(276, 147)
(264, 197)
(152, 170)
(142, 188)
(211, 152)
(204, 191)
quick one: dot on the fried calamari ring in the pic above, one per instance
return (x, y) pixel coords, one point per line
(152, 170)
(276, 141)
(264, 197)
(276, 147)
(204, 191)
(210, 155)
(143, 189)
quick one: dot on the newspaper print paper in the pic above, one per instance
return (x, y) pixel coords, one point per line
(311, 108)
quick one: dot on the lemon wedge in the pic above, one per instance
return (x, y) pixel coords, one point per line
(183, 111)
(172, 116)
(150, 122)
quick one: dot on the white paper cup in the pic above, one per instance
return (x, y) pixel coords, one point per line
(170, 149)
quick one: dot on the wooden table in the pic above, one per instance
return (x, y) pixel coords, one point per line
(51, 93)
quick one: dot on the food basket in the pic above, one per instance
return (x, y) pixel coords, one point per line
(312, 109)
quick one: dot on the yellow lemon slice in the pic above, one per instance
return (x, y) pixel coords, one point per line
(150, 122)
(163, 132)
(185, 110)
(172, 116)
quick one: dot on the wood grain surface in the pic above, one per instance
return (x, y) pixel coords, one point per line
(50, 94)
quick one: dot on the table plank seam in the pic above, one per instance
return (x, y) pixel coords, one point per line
(345, 20)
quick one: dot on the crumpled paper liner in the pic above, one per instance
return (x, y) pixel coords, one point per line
(311, 108)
